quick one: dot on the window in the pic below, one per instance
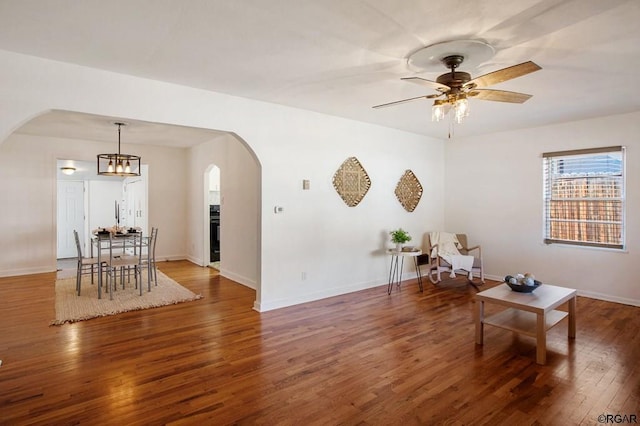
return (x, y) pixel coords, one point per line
(584, 197)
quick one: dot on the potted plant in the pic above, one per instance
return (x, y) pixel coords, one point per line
(399, 237)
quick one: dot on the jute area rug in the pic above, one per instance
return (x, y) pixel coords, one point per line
(71, 308)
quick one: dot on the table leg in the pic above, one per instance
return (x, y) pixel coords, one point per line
(392, 273)
(479, 321)
(415, 259)
(99, 281)
(572, 317)
(541, 339)
(400, 274)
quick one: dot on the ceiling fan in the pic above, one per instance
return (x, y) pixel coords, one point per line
(455, 87)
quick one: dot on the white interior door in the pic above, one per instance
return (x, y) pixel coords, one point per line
(70, 217)
(136, 203)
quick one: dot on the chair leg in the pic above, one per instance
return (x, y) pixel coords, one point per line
(432, 275)
(149, 276)
(474, 285)
(100, 266)
(113, 284)
(137, 274)
(78, 278)
(110, 280)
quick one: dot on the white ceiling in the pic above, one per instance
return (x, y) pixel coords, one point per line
(66, 124)
(341, 57)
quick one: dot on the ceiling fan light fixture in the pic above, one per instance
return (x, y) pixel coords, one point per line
(461, 108)
(437, 110)
(119, 164)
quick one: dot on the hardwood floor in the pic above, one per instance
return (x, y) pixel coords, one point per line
(362, 358)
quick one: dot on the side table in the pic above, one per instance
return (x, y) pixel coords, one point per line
(395, 272)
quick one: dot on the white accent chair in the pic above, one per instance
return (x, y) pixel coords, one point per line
(437, 265)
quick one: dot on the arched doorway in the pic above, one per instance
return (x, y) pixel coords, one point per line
(176, 203)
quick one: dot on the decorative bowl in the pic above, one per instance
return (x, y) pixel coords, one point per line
(521, 288)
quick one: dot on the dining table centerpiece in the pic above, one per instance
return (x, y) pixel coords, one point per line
(117, 230)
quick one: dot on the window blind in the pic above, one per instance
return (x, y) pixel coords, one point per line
(584, 197)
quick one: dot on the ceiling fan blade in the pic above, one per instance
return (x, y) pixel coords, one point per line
(405, 100)
(504, 74)
(498, 95)
(427, 83)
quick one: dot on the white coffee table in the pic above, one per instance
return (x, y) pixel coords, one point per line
(531, 314)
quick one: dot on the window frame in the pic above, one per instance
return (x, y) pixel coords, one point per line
(547, 184)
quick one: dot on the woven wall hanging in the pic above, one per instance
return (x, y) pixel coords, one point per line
(351, 181)
(409, 191)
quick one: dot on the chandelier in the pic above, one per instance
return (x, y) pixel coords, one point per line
(118, 164)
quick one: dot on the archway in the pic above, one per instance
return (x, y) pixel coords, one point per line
(175, 198)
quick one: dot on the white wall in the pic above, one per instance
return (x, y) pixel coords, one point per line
(338, 247)
(494, 194)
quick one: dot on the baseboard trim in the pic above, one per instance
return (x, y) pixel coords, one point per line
(269, 305)
(26, 271)
(238, 278)
(608, 298)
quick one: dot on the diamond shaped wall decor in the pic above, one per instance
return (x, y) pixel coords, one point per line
(409, 191)
(351, 181)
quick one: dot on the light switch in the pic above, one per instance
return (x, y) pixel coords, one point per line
(306, 184)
